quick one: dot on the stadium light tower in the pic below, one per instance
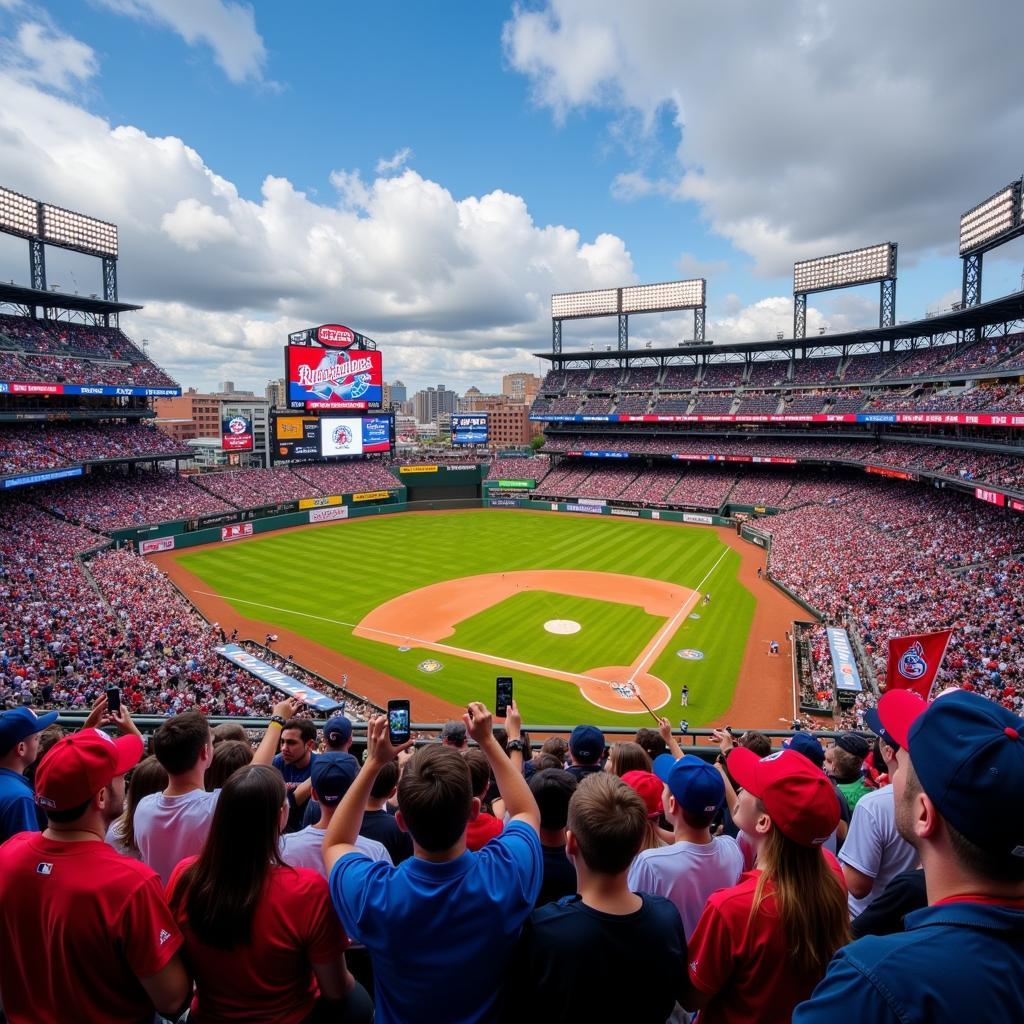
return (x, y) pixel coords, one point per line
(993, 222)
(846, 270)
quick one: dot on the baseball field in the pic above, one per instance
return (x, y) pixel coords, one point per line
(591, 616)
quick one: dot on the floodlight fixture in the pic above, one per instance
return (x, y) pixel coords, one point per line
(19, 215)
(991, 218)
(665, 297)
(76, 231)
(845, 269)
(574, 305)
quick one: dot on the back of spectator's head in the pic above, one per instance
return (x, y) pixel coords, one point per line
(179, 742)
(387, 778)
(586, 744)
(337, 732)
(229, 731)
(479, 772)
(228, 757)
(556, 747)
(648, 787)
(435, 796)
(607, 823)
(848, 755)
(651, 740)
(501, 735)
(696, 789)
(806, 744)
(332, 774)
(552, 788)
(544, 761)
(453, 733)
(962, 759)
(627, 757)
(757, 742)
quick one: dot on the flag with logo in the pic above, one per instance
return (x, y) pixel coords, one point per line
(914, 661)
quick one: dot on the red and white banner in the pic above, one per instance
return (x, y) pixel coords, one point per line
(236, 531)
(914, 661)
(992, 497)
(150, 547)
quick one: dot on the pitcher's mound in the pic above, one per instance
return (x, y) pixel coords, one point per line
(563, 627)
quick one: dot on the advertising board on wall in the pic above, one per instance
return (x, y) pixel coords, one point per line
(328, 515)
(236, 434)
(469, 428)
(236, 532)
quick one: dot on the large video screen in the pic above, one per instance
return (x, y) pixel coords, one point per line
(328, 378)
(354, 435)
(469, 429)
(296, 437)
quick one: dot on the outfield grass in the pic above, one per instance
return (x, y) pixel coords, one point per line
(612, 633)
(321, 582)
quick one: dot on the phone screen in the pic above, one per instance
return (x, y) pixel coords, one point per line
(503, 695)
(113, 700)
(398, 720)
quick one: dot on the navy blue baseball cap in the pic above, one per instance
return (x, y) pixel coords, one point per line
(338, 730)
(968, 754)
(805, 743)
(586, 743)
(20, 723)
(874, 722)
(332, 774)
(695, 784)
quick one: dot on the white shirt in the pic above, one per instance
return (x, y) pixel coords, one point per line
(305, 849)
(170, 828)
(686, 874)
(874, 847)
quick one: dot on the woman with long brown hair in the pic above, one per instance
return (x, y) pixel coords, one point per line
(148, 776)
(627, 757)
(761, 946)
(261, 938)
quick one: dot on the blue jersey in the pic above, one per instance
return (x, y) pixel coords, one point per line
(18, 811)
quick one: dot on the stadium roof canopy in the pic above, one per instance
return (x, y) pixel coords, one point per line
(1002, 310)
(18, 295)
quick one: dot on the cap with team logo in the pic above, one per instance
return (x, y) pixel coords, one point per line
(20, 723)
(695, 784)
(796, 794)
(79, 766)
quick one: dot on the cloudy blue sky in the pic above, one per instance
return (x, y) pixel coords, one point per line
(429, 173)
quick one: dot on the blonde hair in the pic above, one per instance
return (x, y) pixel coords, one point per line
(809, 899)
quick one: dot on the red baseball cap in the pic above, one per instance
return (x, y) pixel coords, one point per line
(897, 711)
(797, 795)
(649, 788)
(80, 765)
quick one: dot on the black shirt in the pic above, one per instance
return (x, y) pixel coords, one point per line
(884, 915)
(581, 771)
(559, 876)
(382, 826)
(584, 965)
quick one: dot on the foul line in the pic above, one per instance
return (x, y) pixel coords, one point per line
(654, 648)
(494, 659)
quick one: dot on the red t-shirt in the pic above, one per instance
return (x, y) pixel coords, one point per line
(79, 925)
(744, 963)
(481, 830)
(271, 979)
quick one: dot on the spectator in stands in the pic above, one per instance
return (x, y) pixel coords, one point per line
(806, 743)
(960, 772)
(423, 920)
(19, 746)
(295, 763)
(844, 760)
(648, 787)
(485, 826)
(148, 776)
(552, 788)
(556, 746)
(689, 870)
(228, 757)
(453, 734)
(874, 852)
(260, 936)
(605, 931)
(627, 757)
(651, 742)
(228, 731)
(85, 932)
(761, 946)
(338, 734)
(378, 822)
(586, 746)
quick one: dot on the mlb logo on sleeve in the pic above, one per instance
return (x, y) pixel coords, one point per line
(42, 868)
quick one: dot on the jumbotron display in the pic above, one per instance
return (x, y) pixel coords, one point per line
(330, 378)
(312, 438)
(845, 269)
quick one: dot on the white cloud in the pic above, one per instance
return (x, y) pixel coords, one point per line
(393, 163)
(41, 54)
(690, 266)
(453, 288)
(803, 128)
(228, 28)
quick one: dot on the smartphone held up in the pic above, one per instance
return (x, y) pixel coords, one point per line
(399, 727)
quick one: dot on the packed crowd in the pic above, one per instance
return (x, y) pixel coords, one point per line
(51, 369)
(877, 876)
(61, 337)
(532, 468)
